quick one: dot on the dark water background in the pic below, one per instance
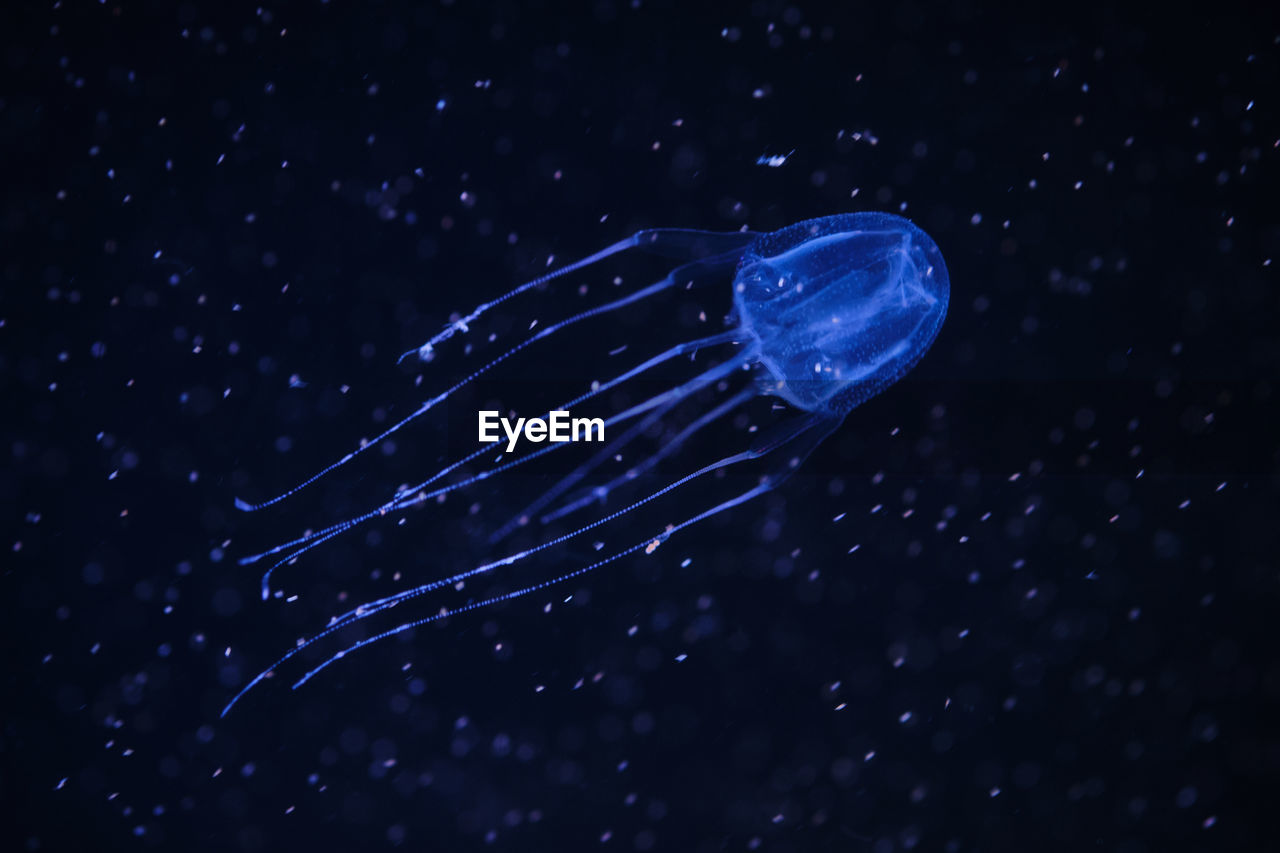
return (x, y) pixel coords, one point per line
(1057, 629)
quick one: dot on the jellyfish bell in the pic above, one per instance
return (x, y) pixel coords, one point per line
(840, 307)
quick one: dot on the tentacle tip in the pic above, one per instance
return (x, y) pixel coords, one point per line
(243, 505)
(426, 352)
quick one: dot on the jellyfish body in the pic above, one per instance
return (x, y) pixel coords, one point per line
(826, 314)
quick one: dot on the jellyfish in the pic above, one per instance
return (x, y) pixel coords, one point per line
(826, 313)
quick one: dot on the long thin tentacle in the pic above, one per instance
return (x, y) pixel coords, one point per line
(758, 450)
(648, 364)
(575, 476)
(649, 545)
(546, 332)
(724, 250)
(678, 242)
(418, 494)
(599, 493)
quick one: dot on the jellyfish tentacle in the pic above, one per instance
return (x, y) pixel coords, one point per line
(431, 403)
(463, 324)
(577, 474)
(656, 411)
(760, 448)
(668, 242)
(408, 496)
(766, 484)
(370, 608)
(676, 276)
(416, 494)
(593, 494)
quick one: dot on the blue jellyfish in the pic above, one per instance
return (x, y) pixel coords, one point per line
(826, 313)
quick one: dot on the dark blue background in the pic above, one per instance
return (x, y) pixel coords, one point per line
(164, 274)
